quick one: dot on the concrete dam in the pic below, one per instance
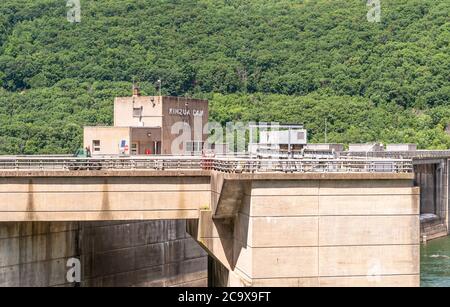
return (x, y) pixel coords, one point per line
(431, 169)
(216, 222)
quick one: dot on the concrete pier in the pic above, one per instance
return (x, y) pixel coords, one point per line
(312, 230)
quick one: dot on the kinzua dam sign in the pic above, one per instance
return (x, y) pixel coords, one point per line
(185, 112)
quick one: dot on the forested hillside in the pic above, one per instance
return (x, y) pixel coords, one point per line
(294, 61)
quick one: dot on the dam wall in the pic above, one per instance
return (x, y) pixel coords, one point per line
(137, 253)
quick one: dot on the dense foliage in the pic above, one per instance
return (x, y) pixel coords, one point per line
(297, 61)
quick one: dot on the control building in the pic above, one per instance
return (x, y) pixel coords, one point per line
(150, 125)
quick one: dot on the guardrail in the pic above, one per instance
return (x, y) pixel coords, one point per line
(417, 154)
(42, 163)
(313, 165)
(222, 164)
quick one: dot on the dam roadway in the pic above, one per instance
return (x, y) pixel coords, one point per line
(341, 222)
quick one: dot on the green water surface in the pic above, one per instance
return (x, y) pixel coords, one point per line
(435, 263)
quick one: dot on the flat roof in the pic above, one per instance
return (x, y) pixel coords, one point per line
(104, 127)
(265, 125)
(152, 127)
(402, 144)
(327, 144)
(123, 127)
(170, 97)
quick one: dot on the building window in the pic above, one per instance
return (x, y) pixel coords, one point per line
(189, 146)
(96, 145)
(137, 112)
(134, 149)
(194, 146)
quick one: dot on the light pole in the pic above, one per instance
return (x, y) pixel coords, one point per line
(159, 86)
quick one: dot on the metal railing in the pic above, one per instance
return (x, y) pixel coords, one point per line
(417, 154)
(313, 165)
(154, 163)
(222, 164)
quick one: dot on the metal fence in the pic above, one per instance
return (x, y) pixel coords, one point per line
(313, 165)
(417, 154)
(40, 163)
(222, 164)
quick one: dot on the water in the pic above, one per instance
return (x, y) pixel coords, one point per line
(435, 263)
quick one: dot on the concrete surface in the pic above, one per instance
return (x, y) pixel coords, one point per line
(148, 253)
(333, 232)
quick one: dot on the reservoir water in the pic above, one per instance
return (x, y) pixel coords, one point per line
(435, 263)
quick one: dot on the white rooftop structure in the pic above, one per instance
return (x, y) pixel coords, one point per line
(365, 147)
(401, 147)
(325, 147)
(277, 137)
